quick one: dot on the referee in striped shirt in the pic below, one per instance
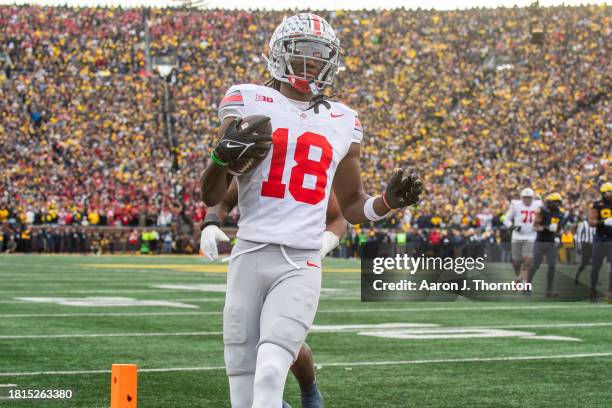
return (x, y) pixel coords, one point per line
(584, 244)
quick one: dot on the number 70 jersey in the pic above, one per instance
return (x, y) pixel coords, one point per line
(284, 199)
(521, 215)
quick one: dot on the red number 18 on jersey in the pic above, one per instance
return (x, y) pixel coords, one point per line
(274, 187)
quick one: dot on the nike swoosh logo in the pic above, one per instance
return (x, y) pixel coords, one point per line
(312, 264)
(229, 145)
(336, 116)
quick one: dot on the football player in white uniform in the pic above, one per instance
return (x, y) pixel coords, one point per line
(303, 368)
(274, 275)
(521, 218)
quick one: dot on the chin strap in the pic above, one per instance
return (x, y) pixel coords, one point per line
(318, 98)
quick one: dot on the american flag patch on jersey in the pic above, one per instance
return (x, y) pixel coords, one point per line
(232, 99)
(358, 124)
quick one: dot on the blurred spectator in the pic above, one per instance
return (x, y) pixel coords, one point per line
(167, 243)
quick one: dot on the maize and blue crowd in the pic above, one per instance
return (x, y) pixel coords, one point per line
(82, 140)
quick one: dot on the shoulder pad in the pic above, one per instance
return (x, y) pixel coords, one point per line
(340, 107)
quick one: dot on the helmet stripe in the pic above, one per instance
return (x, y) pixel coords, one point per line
(317, 24)
(303, 27)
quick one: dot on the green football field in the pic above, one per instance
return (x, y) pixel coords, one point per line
(65, 319)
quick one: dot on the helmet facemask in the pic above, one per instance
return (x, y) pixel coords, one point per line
(305, 53)
(527, 200)
(553, 205)
(304, 62)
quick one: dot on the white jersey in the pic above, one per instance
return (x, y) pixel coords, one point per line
(521, 215)
(284, 199)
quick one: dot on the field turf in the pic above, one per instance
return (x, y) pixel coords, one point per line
(460, 354)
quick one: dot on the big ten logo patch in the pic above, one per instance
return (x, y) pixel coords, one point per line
(263, 98)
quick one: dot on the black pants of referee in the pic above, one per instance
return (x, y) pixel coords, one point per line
(586, 250)
(601, 250)
(541, 250)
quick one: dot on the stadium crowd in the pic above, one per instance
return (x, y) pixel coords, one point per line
(462, 97)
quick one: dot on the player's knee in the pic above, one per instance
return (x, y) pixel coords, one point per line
(240, 353)
(287, 333)
(289, 327)
(234, 324)
(269, 376)
(305, 352)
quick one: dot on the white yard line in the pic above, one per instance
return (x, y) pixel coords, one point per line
(543, 325)
(118, 314)
(340, 364)
(210, 299)
(512, 326)
(360, 310)
(49, 280)
(7, 385)
(12, 291)
(467, 360)
(80, 372)
(460, 308)
(216, 333)
(85, 335)
(332, 297)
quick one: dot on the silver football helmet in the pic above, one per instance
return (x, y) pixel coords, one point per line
(304, 52)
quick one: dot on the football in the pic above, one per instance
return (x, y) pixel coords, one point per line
(252, 126)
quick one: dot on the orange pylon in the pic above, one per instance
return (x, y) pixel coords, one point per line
(124, 386)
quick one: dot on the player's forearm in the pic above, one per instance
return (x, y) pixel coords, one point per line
(354, 212)
(220, 210)
(337, 226)
(216, 179)
(214, 184)
(225, 206)
(334, 221)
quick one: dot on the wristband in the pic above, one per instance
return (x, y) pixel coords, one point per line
(368, 210)
(210, 219)
(217, 161)
(384, 197)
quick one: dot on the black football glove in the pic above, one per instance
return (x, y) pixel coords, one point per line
(403, 190)
(242, 140)
(517, 228)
